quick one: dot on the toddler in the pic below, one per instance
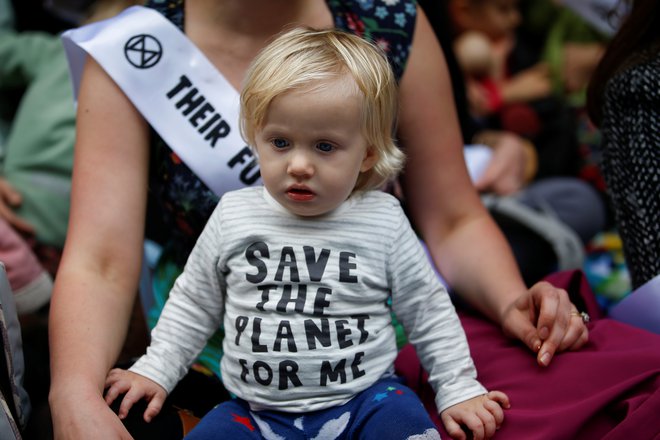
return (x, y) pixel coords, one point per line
(304, 273)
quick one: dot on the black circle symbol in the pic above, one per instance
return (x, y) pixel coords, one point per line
(143, 51)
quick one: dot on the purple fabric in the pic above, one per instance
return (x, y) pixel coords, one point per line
(610, 389)
(641, 308)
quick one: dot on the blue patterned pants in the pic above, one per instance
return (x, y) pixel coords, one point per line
(386, 410)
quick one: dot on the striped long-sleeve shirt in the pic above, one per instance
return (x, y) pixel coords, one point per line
(306, 305)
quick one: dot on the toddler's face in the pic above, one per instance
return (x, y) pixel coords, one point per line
(311, 147)
(496, 18)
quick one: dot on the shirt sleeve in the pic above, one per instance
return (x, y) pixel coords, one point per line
(422, 305)
(23, 55)
(191, 314)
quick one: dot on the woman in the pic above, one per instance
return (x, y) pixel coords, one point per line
(623, 100)
(97, 282)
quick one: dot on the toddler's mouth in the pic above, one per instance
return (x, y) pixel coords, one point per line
(300, 193)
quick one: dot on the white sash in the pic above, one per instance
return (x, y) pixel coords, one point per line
(175, 87)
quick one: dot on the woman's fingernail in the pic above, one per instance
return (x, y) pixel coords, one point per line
(545, 359)
(543, 333)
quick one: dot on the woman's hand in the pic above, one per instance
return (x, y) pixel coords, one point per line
(546, 321)
(10, 199)
(77, 416)
(512, 165)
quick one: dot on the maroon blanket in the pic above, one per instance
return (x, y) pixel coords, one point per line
(610, 389)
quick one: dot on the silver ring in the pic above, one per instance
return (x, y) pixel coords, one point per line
(583, 315)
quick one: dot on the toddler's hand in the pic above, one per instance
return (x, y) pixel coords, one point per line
(482, 415)
(136, 387)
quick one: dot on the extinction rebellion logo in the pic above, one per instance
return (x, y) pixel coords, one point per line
(143, 51)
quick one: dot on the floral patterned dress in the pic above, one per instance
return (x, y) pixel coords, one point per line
(180, 203)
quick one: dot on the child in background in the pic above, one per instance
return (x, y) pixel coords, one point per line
(29, 281)
(523, 96)
(474, 54)
(36, 153)
(301, 272)
(495, 90)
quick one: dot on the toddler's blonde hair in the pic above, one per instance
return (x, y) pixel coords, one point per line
(305, 57)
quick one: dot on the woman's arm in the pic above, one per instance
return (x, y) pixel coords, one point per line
(97, 280)
(443, 203)
(465, 243)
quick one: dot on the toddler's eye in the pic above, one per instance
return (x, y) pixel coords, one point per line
(279, 143)
(325, 147)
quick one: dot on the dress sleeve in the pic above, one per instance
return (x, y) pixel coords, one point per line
(389, 25)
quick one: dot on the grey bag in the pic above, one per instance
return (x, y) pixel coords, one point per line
(565, 242)
(14, 401)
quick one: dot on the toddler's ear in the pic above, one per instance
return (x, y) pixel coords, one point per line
(370, 159)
